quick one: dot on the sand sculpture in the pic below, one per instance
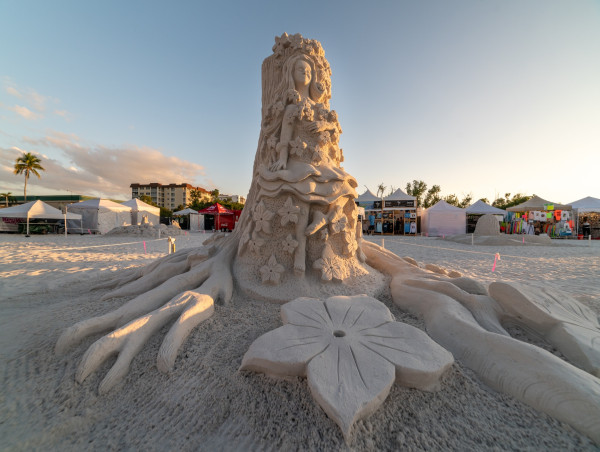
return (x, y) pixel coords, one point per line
(298, 236)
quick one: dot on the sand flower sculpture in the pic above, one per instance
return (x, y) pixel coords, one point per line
(351, 351)
(464, 316)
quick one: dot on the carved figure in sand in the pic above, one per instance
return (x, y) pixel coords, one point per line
(298, 235)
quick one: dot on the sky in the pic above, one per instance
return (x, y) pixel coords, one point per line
(480, 97)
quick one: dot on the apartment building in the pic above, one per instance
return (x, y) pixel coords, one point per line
(234, 198)
(169, 196)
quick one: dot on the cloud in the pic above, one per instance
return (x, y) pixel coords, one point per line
(25, 112)
(64, 114)
(28, 96)
(99, 170)
(13, 91)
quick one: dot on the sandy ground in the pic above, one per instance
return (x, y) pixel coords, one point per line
(205, 403)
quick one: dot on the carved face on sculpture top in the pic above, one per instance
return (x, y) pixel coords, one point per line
(302, 77)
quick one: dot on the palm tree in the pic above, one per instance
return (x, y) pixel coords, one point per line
(27, 164)
(7, 196)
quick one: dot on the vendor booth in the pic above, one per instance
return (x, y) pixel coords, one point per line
(218, 218)
(397, 215)
(99, 216)
(143, 213)
(477, 210)
(539, 216)
(189, 219)
(18, 218)
(443, 219)
(587, 217)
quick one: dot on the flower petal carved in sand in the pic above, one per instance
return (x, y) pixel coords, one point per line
(271, 273)
(331, 266)
(262, 218)
(289, 244)
(351, 351)
(289, 212)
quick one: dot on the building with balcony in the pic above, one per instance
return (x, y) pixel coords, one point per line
(169, 196)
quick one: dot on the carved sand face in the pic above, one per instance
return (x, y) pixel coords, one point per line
(302, 73)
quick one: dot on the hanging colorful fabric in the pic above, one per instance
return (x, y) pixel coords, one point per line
(557, 214)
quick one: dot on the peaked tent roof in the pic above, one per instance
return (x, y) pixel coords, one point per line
(136, 204)
(444, 206)
(185, 211)
(483, 208)
(368, 196)
(399, 195)
(537, 203)
(99, 203)
(36, 209)
(216, 208)
(587, 204)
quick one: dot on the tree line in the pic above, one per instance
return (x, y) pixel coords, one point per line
(427, 197)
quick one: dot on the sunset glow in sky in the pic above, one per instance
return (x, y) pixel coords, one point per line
(478, 97)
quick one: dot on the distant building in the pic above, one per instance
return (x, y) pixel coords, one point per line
(169, 196)
(234, 198)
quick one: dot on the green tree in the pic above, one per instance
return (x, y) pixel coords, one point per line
(453, 199)
(215, 194)
(508, 201)
(433, 196)
(381, 190)
(28, 164)
(417, 189)
(195, 195)
(148, 200)
(8, 197)
(466, 201)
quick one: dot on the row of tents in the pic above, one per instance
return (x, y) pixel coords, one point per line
(101, 215)
(445, 219)
(91, 216)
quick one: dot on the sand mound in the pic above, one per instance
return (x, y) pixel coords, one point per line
(147, 230)
(487, 225)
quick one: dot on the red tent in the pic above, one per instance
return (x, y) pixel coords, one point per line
(216, 209)
(220, 223)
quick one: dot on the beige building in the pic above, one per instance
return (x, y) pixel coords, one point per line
(169, 196)
(234, 198)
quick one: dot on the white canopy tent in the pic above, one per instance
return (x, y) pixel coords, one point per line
(443, 219)
(367, 198)
(37, 209)
(185, 212)
(196, 221)
(537, 203)
(587, 204)
(399, 195)
(481, 208)
(140, 209)
(588, 208)
(100, 215)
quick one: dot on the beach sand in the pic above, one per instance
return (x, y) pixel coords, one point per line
(205, 403)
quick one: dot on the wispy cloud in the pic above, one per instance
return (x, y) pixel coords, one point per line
(99, 170)
(25, 112)
(32, 105)
(13, 91)
(63, 113)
